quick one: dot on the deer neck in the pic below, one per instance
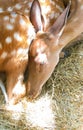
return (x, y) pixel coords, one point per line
(74, 26)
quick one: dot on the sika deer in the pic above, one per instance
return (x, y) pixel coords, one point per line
(44, 53)
(46, 47)
(17, 32)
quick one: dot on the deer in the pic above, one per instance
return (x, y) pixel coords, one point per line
(44, 52)
(15, 40)
(35, 44)
(14, 45)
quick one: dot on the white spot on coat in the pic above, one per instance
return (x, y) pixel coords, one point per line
(13, 52)
(0, 45)
(52, 15)
(12, 20)
(30, 34)
(18, 6)
(17, 36)
(22, 51)
(29, 4)
(9, 9)
(5, 18)
(45, 9)
(22, 22)
(8, 40)
(26, 11)
(13, 14)
(1, 10)
(9, 27)
(4, 55)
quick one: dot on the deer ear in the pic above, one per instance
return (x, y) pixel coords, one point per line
(36, 16)
(59, 24)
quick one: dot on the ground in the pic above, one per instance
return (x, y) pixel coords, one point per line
(60, 105)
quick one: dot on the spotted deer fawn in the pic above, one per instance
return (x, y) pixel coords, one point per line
(46, 47)
(32, 36)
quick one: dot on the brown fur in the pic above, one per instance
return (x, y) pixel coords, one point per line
(44, 50)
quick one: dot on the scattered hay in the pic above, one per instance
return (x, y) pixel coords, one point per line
(60, 105)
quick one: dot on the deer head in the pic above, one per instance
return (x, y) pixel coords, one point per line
(44, 51)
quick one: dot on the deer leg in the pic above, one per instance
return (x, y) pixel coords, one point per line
(15, 87)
